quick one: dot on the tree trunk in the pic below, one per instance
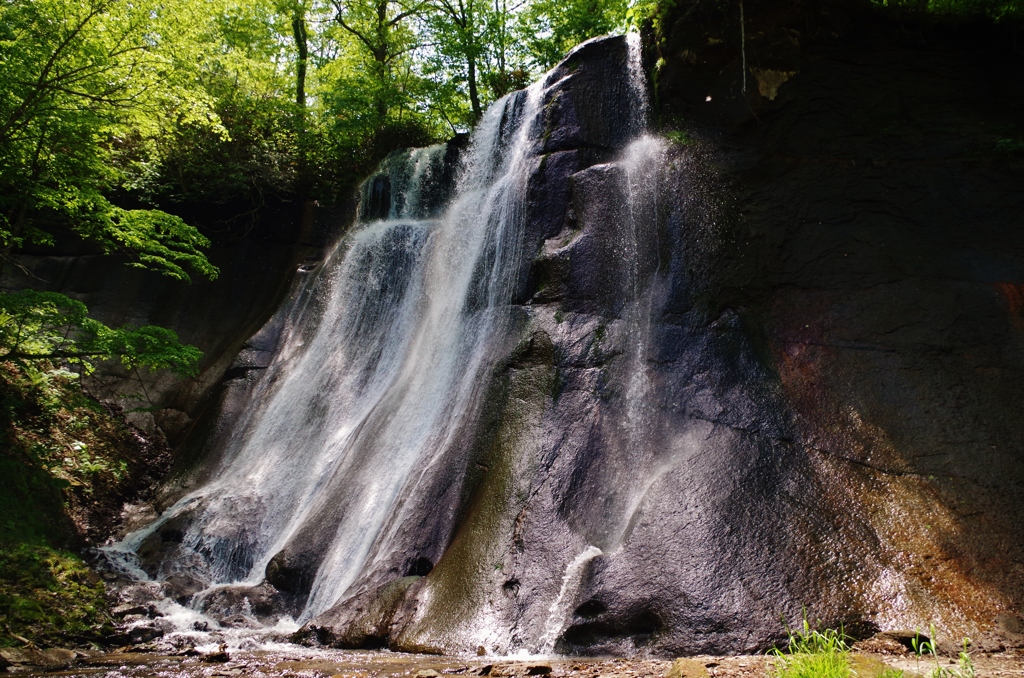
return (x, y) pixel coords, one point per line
(299, 31)
(474, 97)
(17, 230)
(302, 47)
(380, 55)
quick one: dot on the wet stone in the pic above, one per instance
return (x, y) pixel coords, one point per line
(53, 659)
(219, 657)
(238, 621)
(881, 644)
(520, 670)
(130, 610)
(144, 634)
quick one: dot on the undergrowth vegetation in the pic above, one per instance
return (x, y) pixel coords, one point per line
(67, 464)
(812, 653)
(50, 597)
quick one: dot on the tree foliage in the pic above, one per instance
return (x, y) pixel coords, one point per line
(48, 326)
(553, 27)
(997, 10)
(78, 78)
(182, 100)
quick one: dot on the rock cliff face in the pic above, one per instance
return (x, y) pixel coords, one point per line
(875, 257)
(685, 390)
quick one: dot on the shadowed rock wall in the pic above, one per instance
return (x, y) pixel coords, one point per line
(875, 255)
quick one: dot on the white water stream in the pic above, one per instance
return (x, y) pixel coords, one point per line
(558, 613)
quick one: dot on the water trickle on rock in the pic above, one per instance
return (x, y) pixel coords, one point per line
(559, 611)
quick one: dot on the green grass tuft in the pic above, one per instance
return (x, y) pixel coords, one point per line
(964, 667)
(812, 654)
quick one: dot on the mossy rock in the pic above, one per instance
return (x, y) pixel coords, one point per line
(687, 668)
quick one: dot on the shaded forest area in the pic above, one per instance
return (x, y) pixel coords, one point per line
(154, 130)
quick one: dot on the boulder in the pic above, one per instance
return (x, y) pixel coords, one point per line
(361, 621)
(590, 100)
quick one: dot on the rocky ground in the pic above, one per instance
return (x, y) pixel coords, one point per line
(285, 661)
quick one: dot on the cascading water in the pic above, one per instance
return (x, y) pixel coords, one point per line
(384, 360)
(558, 611)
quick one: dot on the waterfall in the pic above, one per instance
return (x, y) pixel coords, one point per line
(384, 357)
(391, 336)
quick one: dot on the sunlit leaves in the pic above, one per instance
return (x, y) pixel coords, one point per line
(550, 28)
(50, 326)
(81, 80)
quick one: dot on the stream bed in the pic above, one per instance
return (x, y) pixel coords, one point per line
(294, 661)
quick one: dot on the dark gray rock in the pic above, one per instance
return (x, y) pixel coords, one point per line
(144, 633)
(288, 573)
(365, 619)
(181, 588)
(247, 606)
(592, 104)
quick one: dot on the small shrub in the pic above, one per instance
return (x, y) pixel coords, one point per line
(680, 137)
(1012, 147)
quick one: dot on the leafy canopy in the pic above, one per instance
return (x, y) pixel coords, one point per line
(79, 80)
(50, 326)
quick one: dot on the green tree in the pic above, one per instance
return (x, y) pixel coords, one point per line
(459, 29)
(381, 28)
(85, 85)
(78, 77)
(550, 28)
(49, 326)
(509, 57)
(371, 97)
(243, 61)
